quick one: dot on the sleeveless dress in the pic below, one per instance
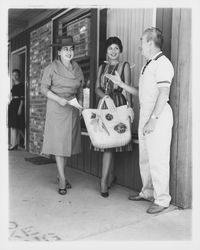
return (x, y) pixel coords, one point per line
(115, 92)
(15, 120)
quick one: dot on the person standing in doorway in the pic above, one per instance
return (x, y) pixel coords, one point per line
(16, 118)
(105, 87)
(62, 82)
(156, 121)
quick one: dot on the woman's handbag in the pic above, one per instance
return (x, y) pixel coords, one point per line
(108, 128)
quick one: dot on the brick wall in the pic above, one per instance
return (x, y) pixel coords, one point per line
(40, 57)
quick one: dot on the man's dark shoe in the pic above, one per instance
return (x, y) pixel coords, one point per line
(154, 209)
(136, 198)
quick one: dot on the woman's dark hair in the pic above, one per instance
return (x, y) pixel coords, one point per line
(17, 70)
(114, 40)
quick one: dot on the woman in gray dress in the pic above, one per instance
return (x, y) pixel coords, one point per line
(61, 82)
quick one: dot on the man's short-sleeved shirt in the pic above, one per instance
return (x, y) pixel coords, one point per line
(157, 73)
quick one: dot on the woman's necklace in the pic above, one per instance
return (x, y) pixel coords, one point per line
(108, 80)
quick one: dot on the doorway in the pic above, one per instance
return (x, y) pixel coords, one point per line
(18, 60)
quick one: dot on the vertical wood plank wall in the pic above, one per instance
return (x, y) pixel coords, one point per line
(180, 100)
(126, 164)
(164, 23)
(128, 25)
(93, 52)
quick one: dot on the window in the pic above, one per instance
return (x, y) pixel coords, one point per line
(79, 29)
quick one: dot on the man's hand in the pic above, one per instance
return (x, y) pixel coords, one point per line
(115, 78)
(149, 126)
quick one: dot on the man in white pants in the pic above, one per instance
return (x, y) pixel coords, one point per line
(156, 120)
(155, 124)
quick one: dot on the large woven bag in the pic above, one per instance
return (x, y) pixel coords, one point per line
(108, 128)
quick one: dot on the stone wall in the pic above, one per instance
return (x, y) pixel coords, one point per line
(40, 57)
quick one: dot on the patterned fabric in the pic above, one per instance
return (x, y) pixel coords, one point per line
(115, 92)
(108, 87)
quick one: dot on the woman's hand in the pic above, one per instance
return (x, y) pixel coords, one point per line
(115, 78)
(63, 102)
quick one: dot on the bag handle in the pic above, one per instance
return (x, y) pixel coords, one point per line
(109, 103)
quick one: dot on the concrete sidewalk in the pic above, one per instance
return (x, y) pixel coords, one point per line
(38, 213)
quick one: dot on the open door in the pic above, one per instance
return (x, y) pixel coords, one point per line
(18, 60)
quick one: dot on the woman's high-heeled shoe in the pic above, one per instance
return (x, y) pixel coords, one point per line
(68, 185)
(61, 191)
(13, 148)
(104, 194)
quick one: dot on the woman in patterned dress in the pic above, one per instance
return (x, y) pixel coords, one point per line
(105, 87)
(62, 81)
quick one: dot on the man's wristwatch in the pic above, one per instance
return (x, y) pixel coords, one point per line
(154, 117)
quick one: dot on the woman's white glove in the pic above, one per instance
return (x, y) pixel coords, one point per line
(63, 102)
(75, 103)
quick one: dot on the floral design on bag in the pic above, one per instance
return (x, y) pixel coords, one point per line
(93, 115)
(98, 123)
(120, 128)
(109, 117)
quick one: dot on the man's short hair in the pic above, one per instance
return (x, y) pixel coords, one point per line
(156, 35)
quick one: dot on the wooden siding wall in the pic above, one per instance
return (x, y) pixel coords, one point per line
(126, 164)
(180, 100)
(128, 25)
(164, 23)
(93, 52)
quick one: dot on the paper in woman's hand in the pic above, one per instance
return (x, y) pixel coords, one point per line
(75, 103)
